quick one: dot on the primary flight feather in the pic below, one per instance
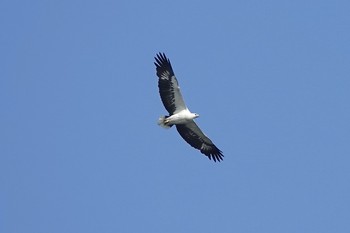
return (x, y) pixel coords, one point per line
(179, 114)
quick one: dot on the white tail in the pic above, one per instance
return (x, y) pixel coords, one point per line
(162, 123)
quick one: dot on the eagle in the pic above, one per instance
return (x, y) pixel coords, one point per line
(179, 114)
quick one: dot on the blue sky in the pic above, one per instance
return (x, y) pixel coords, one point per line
(80, 147)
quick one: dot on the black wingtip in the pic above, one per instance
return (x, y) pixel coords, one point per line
(214, 154)
(161, 59)
(217, 157)
(163, 64)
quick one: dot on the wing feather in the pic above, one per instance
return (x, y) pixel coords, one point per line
(169, 89)
(194, 136)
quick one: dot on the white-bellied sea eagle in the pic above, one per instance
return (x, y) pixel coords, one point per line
(179, 114)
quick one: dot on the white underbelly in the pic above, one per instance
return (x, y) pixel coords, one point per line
(179, 118)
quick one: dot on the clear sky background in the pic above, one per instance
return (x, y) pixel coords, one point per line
(80, 150)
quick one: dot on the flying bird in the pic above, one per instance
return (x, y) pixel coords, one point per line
(179, 114)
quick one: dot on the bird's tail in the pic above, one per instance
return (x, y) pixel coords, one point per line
(162, 123)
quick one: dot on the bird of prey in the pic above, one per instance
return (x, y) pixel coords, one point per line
(179, 114)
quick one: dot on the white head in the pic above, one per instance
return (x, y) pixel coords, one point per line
(195, 115)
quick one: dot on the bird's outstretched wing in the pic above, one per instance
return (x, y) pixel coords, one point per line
(194, 136)
(169, 89)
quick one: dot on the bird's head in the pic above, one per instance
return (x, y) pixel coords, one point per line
(195, 115)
